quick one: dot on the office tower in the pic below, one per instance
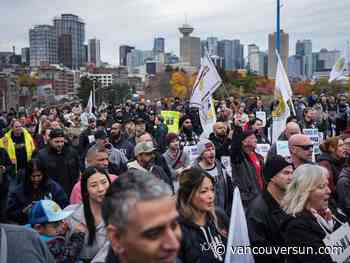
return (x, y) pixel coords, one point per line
(94, 55)
(255, 60)
(238, 54)
(190, 47)
(284, 53)
(123, 53)
(159, 45)
(70, 32)
(303, 50)
(212, 46)
(324, 60)
(225, 50)
(295, 66)
(25, 56)
(42, 45)
(85, 54)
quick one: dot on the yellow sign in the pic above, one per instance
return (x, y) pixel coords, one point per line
(171, 120)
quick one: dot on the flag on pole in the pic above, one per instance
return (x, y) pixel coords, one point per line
(339, 69)
(90, 103)
(283, 93)
(207, 82)
(238, 234)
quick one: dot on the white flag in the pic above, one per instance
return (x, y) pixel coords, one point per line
(207, 82)
(338, 70)
(283, 93)
(238, 237)
(90, 103)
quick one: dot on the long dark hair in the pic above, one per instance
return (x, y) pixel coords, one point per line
(89, 217)
(35, 165)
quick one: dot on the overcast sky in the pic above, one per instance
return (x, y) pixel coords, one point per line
(137, 22)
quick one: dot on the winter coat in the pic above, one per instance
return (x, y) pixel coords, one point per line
(223, 187)
(155, 170)
(21, 198)
(125, 146)
(181, 160)
(159, 133)
(201, 244)
(342, 191)
(62, 168)
(264, 219)
(333, 167)
(85, 140)
(222, 145)
(303, 231)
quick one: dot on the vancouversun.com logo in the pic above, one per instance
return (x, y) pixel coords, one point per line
(218, 248)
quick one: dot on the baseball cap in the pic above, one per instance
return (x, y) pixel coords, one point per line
(46, 211)
(144, 147)
(101, 134)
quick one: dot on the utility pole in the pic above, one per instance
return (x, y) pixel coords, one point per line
(278, 29)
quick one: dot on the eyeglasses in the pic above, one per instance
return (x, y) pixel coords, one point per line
(306, 147)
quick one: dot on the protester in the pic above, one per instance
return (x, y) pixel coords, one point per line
(332, 158)
(187, 136)
(119, 140)
(247, 166)
(223, 182)
(220, 139)
(20, 146)
(198, 219)
(35, 187)
(87, 137)
(306, 200)
(144, 154)
(46, 218)
(301, 149)
(265, 215)
(342, 188)
(60, 161)
(94, 184)
(141, 217)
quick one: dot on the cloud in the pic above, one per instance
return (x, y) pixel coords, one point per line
(137, 22)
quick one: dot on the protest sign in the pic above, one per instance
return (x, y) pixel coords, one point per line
(339, 242)
(262, 116)
(314, 136)
(171, 120)
(282, 148)
(262, 149)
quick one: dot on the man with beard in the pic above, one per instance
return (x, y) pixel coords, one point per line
(223, 181)
(119, 141)
(140, 128)
(265, 215)
(144, 155)
(220, 139)
(187, 136)
(19, 146)
(87, 136)
(60, 161)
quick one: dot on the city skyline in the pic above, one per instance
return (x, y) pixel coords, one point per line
(323, 22)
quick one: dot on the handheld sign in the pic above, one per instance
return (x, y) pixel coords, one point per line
(262, 149)
(314, 136)
(171, 120)
(282, 148)
(262, 116)
(339, 241)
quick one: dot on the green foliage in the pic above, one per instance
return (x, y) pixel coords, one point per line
(119, 93)
(84, 89)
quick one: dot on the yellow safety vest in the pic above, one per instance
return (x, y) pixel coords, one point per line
(6, 142)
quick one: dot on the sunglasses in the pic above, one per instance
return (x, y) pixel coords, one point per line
(305, 147)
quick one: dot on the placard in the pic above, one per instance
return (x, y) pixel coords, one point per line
(192, 152)
(226, 162)
(171, 120)
(339, 240)
(91, 138)
(314, 136)
(262, 116)
(282, 148)
(262, 149)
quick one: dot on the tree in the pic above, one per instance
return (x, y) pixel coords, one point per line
(119, 93)
(84, 89)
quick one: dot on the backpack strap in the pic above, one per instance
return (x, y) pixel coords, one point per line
(3, 248)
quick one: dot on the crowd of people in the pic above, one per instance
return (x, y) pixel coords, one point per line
(117, 185)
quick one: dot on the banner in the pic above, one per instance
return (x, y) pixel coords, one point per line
(314, 136)
(262, 116)
(339, 243)
(171, 120)
(207, 117)
(263, 149)
(338, 70)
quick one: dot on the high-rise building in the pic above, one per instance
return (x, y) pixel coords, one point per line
(256, 60)
(324, 60)
(303, 49)
(42, 45)
(69, 24)
(25, 56)
(238, 54)
(190, 47)
(94, 55)
(85, 54)
(159, 45)
(284, 53)
(225, 50)
(135, 58)
(212, 46)
(295, 66)
(123, 53)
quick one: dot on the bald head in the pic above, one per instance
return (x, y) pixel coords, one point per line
(220, 129)
(292, 128)
(299, 139)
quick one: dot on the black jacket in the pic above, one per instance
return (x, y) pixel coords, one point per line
(84, 141)
(264, 219)
(124, 145)
(303, 231)
(4, 181)
(342, 191)
(196, 243)
(62, 168)
(222, 145)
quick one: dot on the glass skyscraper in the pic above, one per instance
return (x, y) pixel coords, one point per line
(73, 46)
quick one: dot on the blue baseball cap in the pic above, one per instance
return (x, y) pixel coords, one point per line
(46, 211)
